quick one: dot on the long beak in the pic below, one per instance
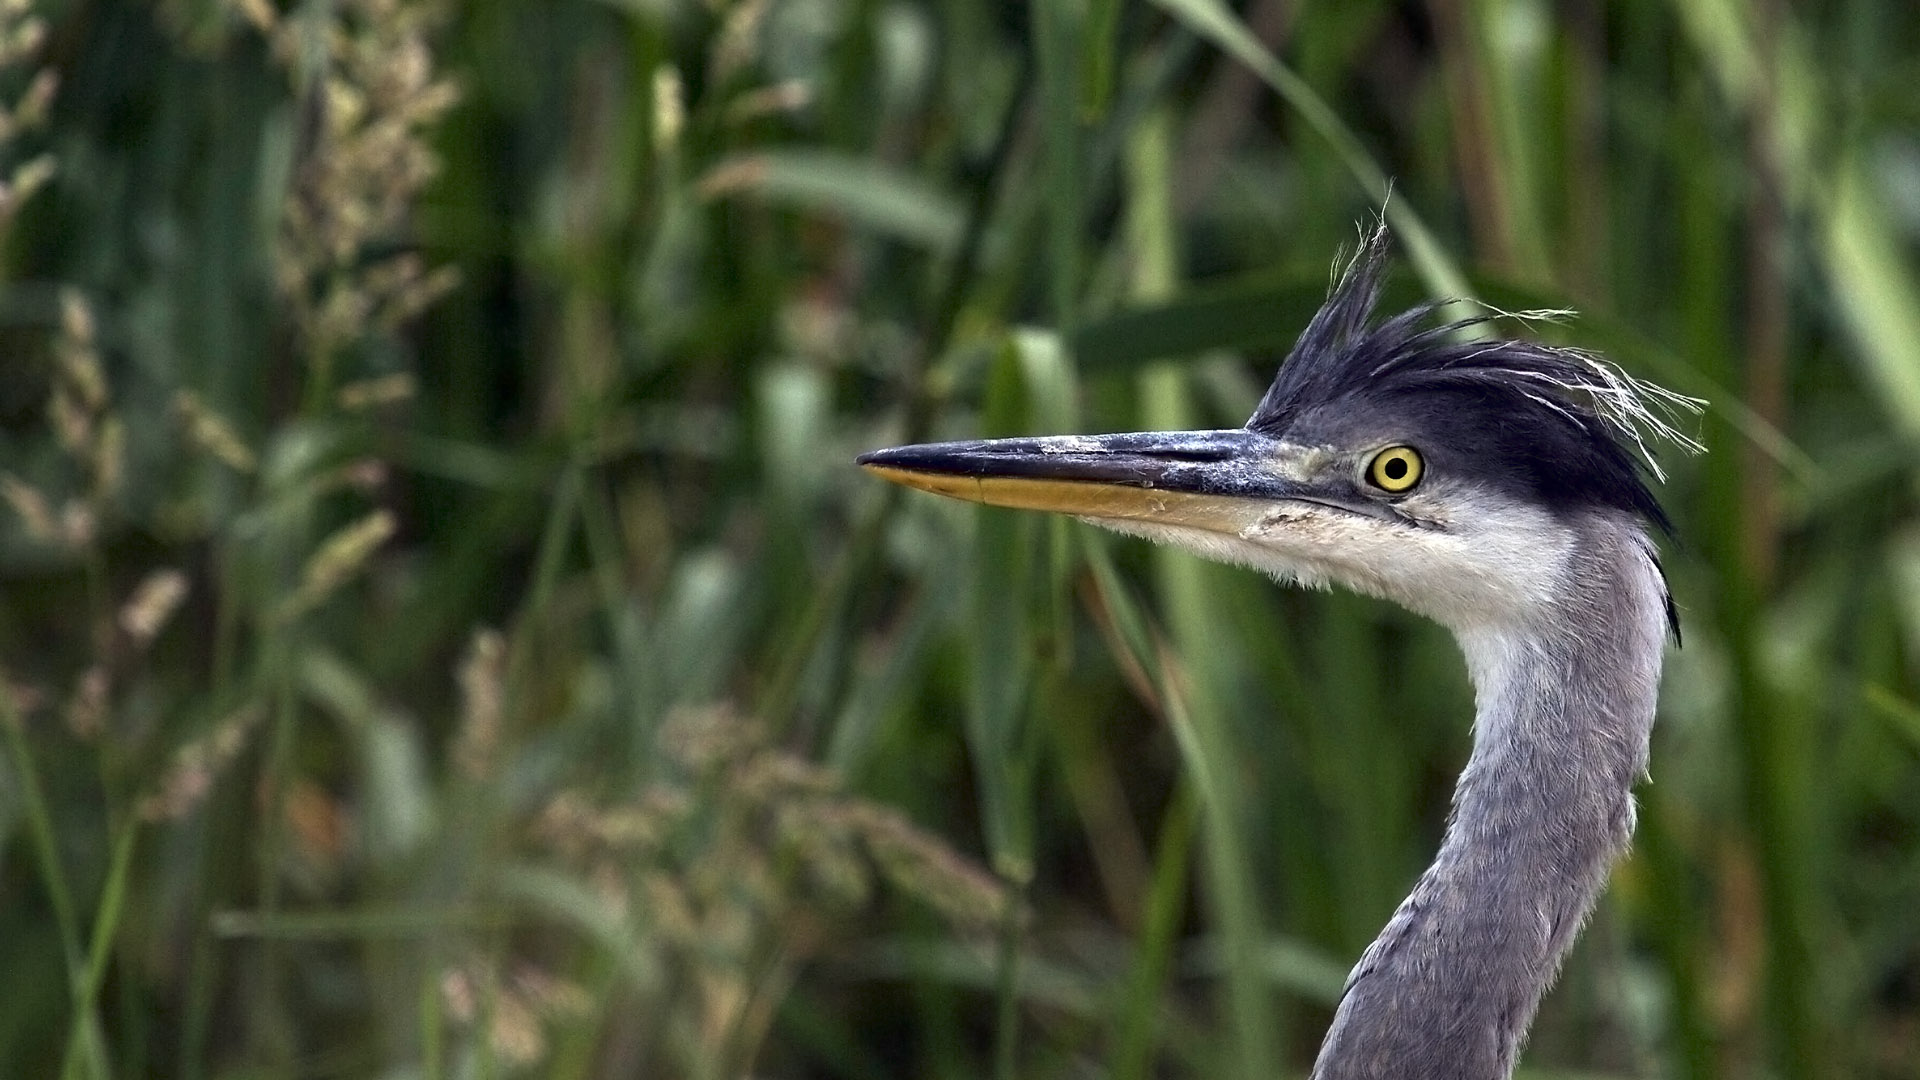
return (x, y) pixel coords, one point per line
(1220, 481)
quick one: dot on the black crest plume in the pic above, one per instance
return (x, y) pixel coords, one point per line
(1560, 425)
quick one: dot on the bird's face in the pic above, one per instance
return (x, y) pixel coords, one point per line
(1386, 511)
(1449, 474)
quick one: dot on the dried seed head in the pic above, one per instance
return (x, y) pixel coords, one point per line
(565, 824)
(87, 706)
(76, 524)
(403, 288)
(76, 322)
(669, 107)
(789, 96)
(373, 393)
(21, 35)
(705, 740)
(752, 832)
(80, 393)
(211, 433)
(152, 604)
(550, 994)
(482, 694)
(109, 458)
(365, 475)
(19, 700)
(739, 41)
(738, 847)
(517, 1035)
(923, 866)
(70, 527)
(457, 991)
(196, 765)
(25, 182)
(341, 556)
(31, 111)
(72, 422)
(35, 511)
(373, 102)
(517, 1008)
(259, 13)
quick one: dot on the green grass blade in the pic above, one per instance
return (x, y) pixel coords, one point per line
(46, 847)
(867, 193)
(1101, 37)
(1877, 291)
(1215, 22)
(1137, 1028)
(1056, 28)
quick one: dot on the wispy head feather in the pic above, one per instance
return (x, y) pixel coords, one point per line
(1564, 424)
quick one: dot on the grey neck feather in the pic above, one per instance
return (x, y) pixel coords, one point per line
(1565, 705)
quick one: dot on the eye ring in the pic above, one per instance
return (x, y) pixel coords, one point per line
(1395, 469)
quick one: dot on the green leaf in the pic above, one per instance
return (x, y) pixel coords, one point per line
(1877, 293)
(861, 191)
(1101, 40)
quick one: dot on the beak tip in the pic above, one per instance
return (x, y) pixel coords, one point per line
(886, 463)
(878, 458)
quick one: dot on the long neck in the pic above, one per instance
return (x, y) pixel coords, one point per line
(1565, 705)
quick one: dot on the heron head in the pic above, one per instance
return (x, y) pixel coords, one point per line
(1399, 459)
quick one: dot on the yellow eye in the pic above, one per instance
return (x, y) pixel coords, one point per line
(1396, 468)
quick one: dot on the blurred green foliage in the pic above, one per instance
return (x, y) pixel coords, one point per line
(443, 634)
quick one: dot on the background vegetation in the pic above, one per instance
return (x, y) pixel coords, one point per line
(444, 635)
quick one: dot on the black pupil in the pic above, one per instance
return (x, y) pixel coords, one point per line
(1395, 468)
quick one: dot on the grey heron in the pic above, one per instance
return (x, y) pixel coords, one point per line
(1499, 487)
